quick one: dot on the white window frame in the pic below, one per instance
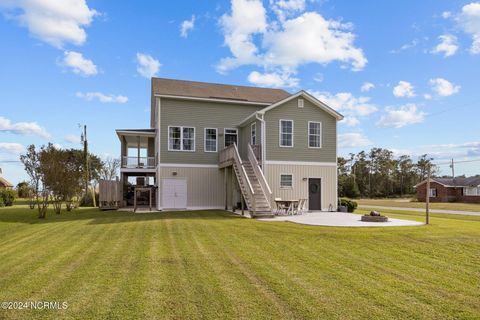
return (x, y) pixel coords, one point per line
(253, 133)
(431, 193)
(205, 139)
(309, 134)
(181, 138)
(301, 103)
(286, 187)
(475, 193)
(225, 133)
(280, 133)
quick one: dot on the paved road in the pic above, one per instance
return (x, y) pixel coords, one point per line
(466, 213)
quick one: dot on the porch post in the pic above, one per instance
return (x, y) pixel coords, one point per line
(226, 185)
(138, 151)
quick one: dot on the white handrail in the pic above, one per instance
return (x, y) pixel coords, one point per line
(258, 170)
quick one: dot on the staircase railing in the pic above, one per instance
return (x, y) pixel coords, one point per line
(259, 173)
(231, 154)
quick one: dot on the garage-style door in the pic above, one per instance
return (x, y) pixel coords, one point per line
(174, 193)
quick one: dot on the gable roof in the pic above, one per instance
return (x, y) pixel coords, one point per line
(457, 182)
(305, 95)
(194, 89)
(5, 183)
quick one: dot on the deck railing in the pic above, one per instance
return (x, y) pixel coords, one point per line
(259, 173)
(138, 162)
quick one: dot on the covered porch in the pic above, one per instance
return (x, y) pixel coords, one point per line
(137, 148)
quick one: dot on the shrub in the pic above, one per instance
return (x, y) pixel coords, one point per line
(2, 203)
(350, 204)
(23, 190)
(8, 196)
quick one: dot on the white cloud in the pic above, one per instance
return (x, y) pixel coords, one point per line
(318, 77)
(448, 45)
(147, 66)
(401, 117)
(353, 140)
(10, 147)
(187, 26)
(469, 21)
(427, 96)
(103, 98)
(285, 44)
(367, 86)
(286, 8)
(274, 80)
(79, 64)
(72, 138)
(406, 46)
(23, 128)
(446, 14)
(347, 104)
(54, 22)
(403, 89)
(443, 87)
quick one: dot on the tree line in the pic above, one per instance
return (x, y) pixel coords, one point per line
(378, 173)
(60, 177)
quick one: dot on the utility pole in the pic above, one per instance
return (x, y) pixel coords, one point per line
(452, 165)
(427, 201)
(87, 166)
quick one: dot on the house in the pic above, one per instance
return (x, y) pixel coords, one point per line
(4, 184)
(210, 146)
(450, 190)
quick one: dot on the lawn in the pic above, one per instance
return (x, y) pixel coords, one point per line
(212, 264)
(405, 203)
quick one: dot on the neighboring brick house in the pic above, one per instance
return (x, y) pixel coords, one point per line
(4, 184)
(450, 190)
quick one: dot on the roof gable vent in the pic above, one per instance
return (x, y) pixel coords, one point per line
(300, 103)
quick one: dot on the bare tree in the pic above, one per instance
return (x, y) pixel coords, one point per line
(109, 169)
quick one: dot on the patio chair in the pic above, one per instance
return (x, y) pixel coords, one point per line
(280, 207)
(301, 206)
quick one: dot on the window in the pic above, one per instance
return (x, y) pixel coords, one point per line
(286, 133)
(230, 137)
(300, 103)
(471, 191)
(181, 139)
(433, 193)
(314, 134)
(253, 134)
(210, 140)
(286, 181)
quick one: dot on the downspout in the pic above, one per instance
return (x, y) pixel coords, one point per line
(263, 140)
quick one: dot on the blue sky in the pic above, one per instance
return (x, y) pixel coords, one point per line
(405, 74)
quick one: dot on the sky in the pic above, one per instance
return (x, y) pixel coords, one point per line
(405, 74)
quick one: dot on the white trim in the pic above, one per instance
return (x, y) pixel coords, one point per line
(303, 163)
(137, 170)
(181, 138)
(280, 181)
(212, 100)
(309, 97)
(253, 126)
(280, 133)
(224, 133)
(300, 103)
(193, 208)
(121, 132)
(187, 165)
(308, 135)
(205, 139)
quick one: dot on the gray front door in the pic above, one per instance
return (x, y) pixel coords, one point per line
(314, 194)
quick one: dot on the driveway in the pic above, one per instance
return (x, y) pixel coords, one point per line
(466, 213)
(340, 219)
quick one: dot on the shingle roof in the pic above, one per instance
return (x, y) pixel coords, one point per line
(459, 182)
(171, 87)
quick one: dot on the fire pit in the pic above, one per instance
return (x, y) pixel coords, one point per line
(374, 216)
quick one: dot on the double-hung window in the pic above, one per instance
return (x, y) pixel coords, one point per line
(433, 193)
(314, 134)
(181, 138)
(253, 134)
(286, 133)
(471, 191)
(231, 136)
(210, 140)
(286, 181)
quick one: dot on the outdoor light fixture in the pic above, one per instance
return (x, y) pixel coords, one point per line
(174, 173)
(305, 179)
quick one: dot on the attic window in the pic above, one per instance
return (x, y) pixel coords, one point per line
(300, 103)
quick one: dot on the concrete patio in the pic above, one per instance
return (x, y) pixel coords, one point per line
(340, 219)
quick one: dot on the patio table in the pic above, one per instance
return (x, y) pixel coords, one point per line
(289, 204)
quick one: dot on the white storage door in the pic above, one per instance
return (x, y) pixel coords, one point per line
(174, 193)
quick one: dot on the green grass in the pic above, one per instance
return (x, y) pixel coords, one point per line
(211, 264)
(405, 203)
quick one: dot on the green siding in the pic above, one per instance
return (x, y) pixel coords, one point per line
(245, 136)
(300, 117)
(200, 115)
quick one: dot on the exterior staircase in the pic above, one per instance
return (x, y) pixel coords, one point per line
(252, 182)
